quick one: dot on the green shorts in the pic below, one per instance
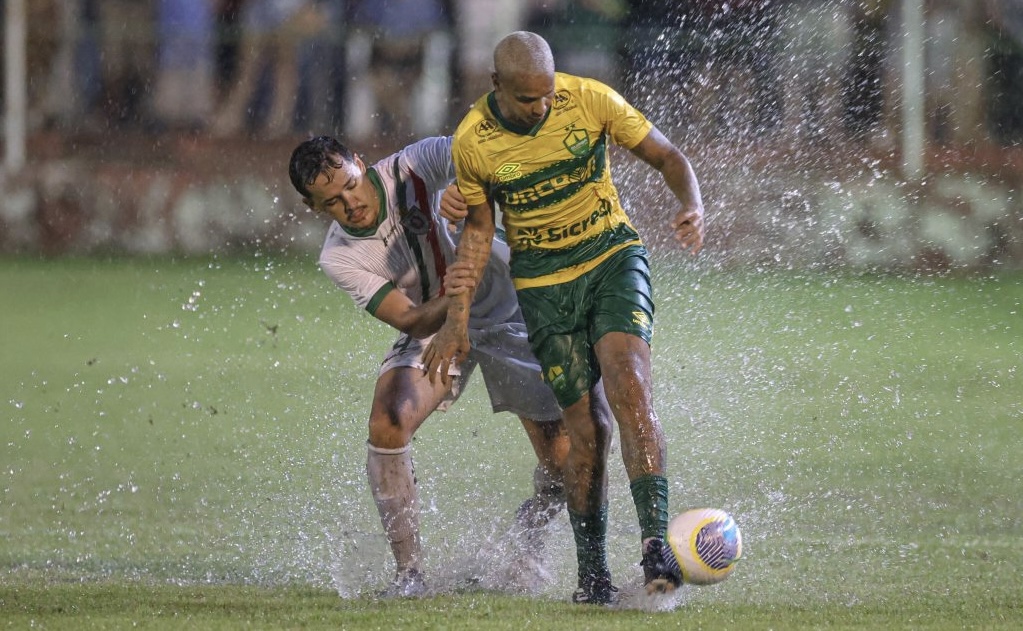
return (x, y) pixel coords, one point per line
(566, 320)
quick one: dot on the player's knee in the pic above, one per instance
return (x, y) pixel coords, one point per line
(587, 430)
(387, 432)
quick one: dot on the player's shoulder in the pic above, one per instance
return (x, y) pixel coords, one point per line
(335, 255)
(428, 158)
(477, 126)
(570, 89)
(576, 83)
(594, 101)
(431, 144)
(424, 150)
(335, 243)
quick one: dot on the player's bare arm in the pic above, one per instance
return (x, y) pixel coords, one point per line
(419, 321)
(658, 152)
(451, 343)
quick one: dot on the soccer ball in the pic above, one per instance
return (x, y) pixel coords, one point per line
(705, 543)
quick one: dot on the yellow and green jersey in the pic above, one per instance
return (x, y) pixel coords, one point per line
(560, 210)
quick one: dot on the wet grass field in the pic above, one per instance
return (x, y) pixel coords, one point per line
(183, 446)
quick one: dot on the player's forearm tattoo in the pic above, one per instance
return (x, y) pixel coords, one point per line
(474, 247)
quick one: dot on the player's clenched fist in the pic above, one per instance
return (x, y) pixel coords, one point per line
(689, 230)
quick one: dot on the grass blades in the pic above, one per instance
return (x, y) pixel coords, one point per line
(185, 448)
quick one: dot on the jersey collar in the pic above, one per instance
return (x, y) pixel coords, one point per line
(510, 126)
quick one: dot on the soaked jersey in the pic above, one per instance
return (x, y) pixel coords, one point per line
(410, 247)
(552, 183)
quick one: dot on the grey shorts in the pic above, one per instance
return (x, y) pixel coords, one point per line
(510, 371)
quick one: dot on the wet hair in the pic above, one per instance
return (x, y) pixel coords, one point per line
(321, 154)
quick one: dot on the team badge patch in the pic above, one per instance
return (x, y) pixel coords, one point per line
(577, 142)
(416, 221)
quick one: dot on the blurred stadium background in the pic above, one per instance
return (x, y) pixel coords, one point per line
(878, 134)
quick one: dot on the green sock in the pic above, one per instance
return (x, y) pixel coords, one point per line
(650, 494)
(590, 542)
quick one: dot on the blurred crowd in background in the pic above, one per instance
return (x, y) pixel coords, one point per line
(806, 70)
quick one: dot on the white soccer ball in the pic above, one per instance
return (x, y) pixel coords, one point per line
(706, 543)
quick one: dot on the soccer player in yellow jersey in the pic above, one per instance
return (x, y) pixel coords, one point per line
(536, 147)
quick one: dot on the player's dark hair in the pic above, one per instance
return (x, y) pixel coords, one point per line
(313, 157)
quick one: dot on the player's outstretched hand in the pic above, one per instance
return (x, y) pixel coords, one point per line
(453, 206)
(448, 345)
(689, 230)
(459, 278)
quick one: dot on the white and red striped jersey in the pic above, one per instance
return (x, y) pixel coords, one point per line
(412, 246)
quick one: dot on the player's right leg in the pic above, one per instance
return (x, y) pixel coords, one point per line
(402, 400)
(550, 444)
(559, 339)
(590, 431)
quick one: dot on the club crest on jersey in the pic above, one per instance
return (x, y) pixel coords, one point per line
(415, 221)
(577, 141)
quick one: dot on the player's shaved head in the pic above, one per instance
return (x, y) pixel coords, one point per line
(523, 78)
(523, 54)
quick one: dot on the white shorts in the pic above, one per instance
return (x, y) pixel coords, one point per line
(510, 372)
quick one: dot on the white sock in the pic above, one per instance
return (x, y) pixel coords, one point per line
(392, 481)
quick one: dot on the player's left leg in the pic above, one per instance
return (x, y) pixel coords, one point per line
(527, 568)
(625, 364)
(623, 327)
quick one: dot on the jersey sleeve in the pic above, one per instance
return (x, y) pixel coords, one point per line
(626, 125)
(365, 288)
(471, 177)
(430, 159)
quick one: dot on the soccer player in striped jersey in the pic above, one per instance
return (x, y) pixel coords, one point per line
(392, 251)
(536, 148)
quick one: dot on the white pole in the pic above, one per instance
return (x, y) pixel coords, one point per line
(913, 126)
(15, 97)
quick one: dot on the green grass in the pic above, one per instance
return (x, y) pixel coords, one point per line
(185, 448)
